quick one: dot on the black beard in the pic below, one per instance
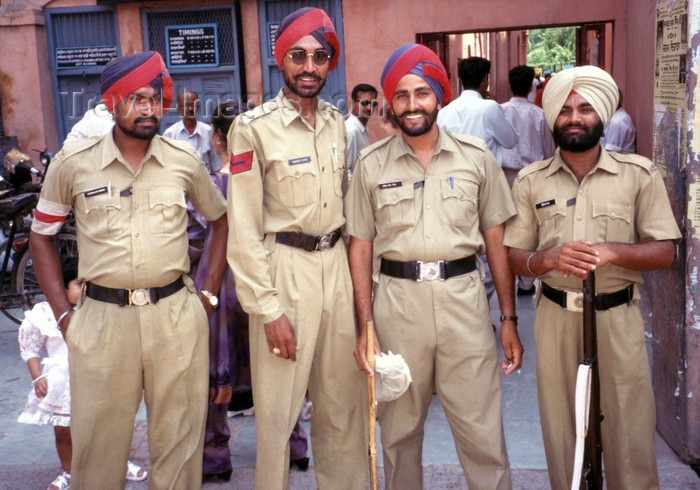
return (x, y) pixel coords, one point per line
(145, 134)
(578, 143)
(428, 122)
(304, 93)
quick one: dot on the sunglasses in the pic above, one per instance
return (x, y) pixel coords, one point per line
(365, 102)
(299, 56)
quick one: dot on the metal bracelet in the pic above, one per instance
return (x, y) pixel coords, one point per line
(63, 315)
(527, 264)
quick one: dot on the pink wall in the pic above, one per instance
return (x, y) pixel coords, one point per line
(28, 111)
(639, 89)
(251, 50)
(374, 29)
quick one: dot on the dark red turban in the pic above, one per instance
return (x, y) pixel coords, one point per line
(418, 60)
(303, 22)
(125, 74)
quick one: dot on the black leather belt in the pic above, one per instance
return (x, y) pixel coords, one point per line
(428, 271)
(573, 301)
(132, 297)
(310, 243)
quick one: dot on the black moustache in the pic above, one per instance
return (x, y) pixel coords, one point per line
(147, 118)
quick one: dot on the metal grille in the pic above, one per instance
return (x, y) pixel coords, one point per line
(157, 21)
(83, 29)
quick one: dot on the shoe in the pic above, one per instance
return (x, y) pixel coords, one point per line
(248, 412)
(222, 476)
(241, 404)
(62, 482)
(526, 292)
(302, 463)
(134, 472)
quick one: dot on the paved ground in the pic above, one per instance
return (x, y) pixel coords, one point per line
(28, 459)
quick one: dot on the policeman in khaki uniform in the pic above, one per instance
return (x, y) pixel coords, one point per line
(290, 265)
(140, 330)
(588, 209)
(422, 203)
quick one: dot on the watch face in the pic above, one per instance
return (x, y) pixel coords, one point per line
(213, 300)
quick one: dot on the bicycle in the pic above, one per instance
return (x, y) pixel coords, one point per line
(19, 287)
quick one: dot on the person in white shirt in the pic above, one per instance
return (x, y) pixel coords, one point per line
(195, 132)
(364, 98)
(535, 140)
(534, 137)
(95, 122)
(471, 114)
(620, 134)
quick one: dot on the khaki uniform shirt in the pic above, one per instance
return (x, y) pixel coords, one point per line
(285, 176)
(131, 226)
(436, 213)
(623, 199)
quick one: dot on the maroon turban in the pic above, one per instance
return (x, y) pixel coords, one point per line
(418, 60)
(125, 74)
(303, 22)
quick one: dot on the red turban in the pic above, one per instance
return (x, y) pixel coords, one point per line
(125, 74)
(417, 60)
(303, 22)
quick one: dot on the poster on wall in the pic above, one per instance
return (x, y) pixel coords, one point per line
(670, 73)
(192, 46)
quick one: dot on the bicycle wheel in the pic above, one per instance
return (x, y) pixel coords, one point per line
(14, 313)
(24, 278)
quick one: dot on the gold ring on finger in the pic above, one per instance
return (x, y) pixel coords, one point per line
(276, 351)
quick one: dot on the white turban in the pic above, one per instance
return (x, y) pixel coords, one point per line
(590, 82)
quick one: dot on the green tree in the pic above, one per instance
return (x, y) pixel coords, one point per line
(552, 48)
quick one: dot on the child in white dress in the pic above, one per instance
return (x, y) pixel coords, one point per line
(49, 402)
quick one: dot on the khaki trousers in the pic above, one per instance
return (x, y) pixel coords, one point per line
(119, 354)
(315, 291)
(443, 331)
(626, 396)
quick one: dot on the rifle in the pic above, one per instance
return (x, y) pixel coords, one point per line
(588, 470)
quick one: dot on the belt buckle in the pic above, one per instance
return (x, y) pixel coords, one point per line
(139, 297)
(428, 271)
(574, 301)
(324, 243)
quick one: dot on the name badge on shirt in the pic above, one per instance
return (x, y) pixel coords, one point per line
(297, 161)
(545, 204)
(391, 185)
(97, 191)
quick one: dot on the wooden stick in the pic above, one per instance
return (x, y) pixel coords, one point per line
(372, 408)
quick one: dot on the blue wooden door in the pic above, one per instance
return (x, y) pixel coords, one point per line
(270, 14)
(213, 84)
(81, 41)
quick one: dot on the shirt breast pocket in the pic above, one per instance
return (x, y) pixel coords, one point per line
(101, 214)
(460, 202)
(395, 207)
(551, 221)
(297, 183)
(168, 210)
(613, 222)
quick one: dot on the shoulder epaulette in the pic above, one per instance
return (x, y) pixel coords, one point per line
(470, 140)
(635, 159)
(181, 145)
(71, 148)
(262, 110)
(534, 167)
(377, 144)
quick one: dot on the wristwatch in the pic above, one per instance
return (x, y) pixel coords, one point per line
(213, 300)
